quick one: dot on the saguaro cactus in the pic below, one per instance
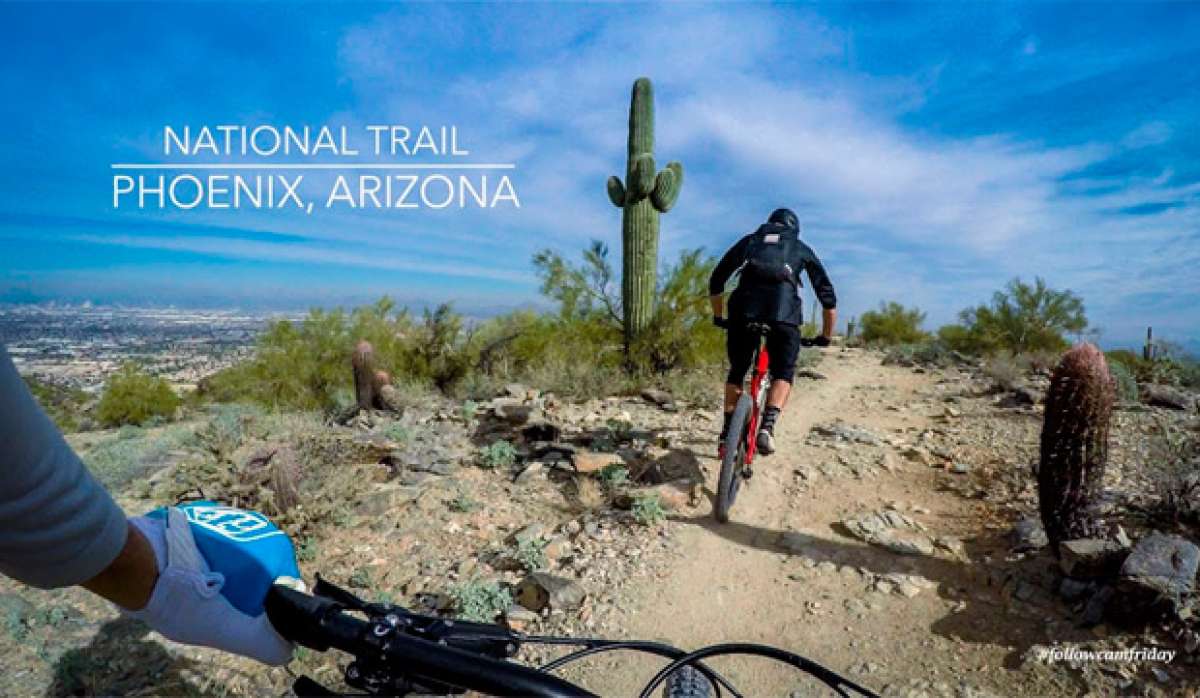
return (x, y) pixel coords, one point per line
(642, 196)
(1074, 444)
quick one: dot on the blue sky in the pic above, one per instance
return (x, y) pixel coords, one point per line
(932, 151)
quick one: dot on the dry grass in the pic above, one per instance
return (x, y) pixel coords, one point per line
(589, 495)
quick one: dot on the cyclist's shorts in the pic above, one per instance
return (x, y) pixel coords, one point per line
(783, 346)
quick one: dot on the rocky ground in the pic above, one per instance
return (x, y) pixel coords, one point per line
(890, 537)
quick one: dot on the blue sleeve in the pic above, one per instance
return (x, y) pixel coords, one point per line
(58, 526)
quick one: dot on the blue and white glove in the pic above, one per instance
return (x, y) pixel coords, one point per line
(189, 603)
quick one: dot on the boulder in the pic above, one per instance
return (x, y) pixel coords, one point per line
(1163, 396)
(661, 398)
(1162, 565)
(1028, 535)
(1091, 558)
(543, 590)
(593, 461)
(387, 499)
(673, 496)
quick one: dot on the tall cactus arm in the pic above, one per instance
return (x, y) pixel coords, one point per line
(641, 177)
(667, 186)
(616, 192)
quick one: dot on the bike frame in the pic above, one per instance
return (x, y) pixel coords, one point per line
(758, 390)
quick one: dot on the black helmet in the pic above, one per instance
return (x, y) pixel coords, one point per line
(785, 217)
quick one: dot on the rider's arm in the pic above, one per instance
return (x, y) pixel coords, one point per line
(58, 526)
(823, 287)
(725, 268)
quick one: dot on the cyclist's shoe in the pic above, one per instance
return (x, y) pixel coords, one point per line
(766, 442)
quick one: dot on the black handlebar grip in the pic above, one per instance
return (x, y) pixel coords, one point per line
(299, 617)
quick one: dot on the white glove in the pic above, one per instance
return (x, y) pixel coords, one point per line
(187, 605)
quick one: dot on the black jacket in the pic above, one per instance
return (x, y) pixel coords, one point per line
(772, 302)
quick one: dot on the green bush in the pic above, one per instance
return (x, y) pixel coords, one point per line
(479, 600)
(1021, 318)
(614, 475)
(62, 404)
(648, 509)
(133, 396)
(530, 553)
(1123, 378)
(132, 453)
(893, 324)
(499, 454)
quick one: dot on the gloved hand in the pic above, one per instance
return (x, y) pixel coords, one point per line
(187, 605)
(720, 322)
(820, 341)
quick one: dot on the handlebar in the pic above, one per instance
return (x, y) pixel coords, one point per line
(385, 642)
(397, 652)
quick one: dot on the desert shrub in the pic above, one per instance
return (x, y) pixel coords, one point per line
(499, 454)
(306, 364)
(1021, 318)
(132, 396)
(132, 453)
(63, 404)
(955, 338)
(1175, 472)
(226, 429)
(1171, 365)
(892, 324)
(681, 335)
(930, 353)
(614, 475)
(479, 600)
(1124, 380)
(1005, 371)
(648, 509)
(530, 553)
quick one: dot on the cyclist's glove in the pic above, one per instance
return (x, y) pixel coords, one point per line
(187, 604)
(720, 322)
(820, 341)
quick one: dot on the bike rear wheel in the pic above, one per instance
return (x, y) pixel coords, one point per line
(734, 460)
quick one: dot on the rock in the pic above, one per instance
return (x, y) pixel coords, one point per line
(1091, 558)
(529, 473)
(1163, 565)
(1028, 535)
(810, 374)
(519, 618)
(593, 461)
(541, 430)
(387, 499)
(373, 446)
(661, 398)
(543, 590)
(843, 432)
(673, 496)
(1093, 612)
(532, 532)
(960, 468)
(890, 530)
(557, 548)
(517, 390)
(1072, 590)
(1163, 396)
(514, 413)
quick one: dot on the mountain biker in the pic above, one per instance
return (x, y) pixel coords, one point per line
(770, 261)
(59, 527)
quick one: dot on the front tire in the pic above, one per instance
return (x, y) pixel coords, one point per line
(735, 458)
(687, 682)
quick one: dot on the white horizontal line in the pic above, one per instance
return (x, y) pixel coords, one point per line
(315, 166)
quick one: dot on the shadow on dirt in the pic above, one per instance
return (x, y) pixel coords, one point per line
(121, 661)
(1004, 603)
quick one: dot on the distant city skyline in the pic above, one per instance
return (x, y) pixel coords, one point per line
(933, 152)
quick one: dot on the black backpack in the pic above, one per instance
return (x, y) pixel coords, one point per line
(768, 258)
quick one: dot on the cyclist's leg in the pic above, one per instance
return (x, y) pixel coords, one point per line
(783, 344)
(739, 346)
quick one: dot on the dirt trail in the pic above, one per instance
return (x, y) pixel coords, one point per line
(779, 573)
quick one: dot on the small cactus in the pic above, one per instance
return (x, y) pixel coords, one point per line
(642, 196)
(1074, 448)
(365, 376)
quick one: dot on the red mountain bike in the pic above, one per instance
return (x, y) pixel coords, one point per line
(737, 453)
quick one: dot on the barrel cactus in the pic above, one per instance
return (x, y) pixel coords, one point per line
(642, 196)
(1074, 449)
